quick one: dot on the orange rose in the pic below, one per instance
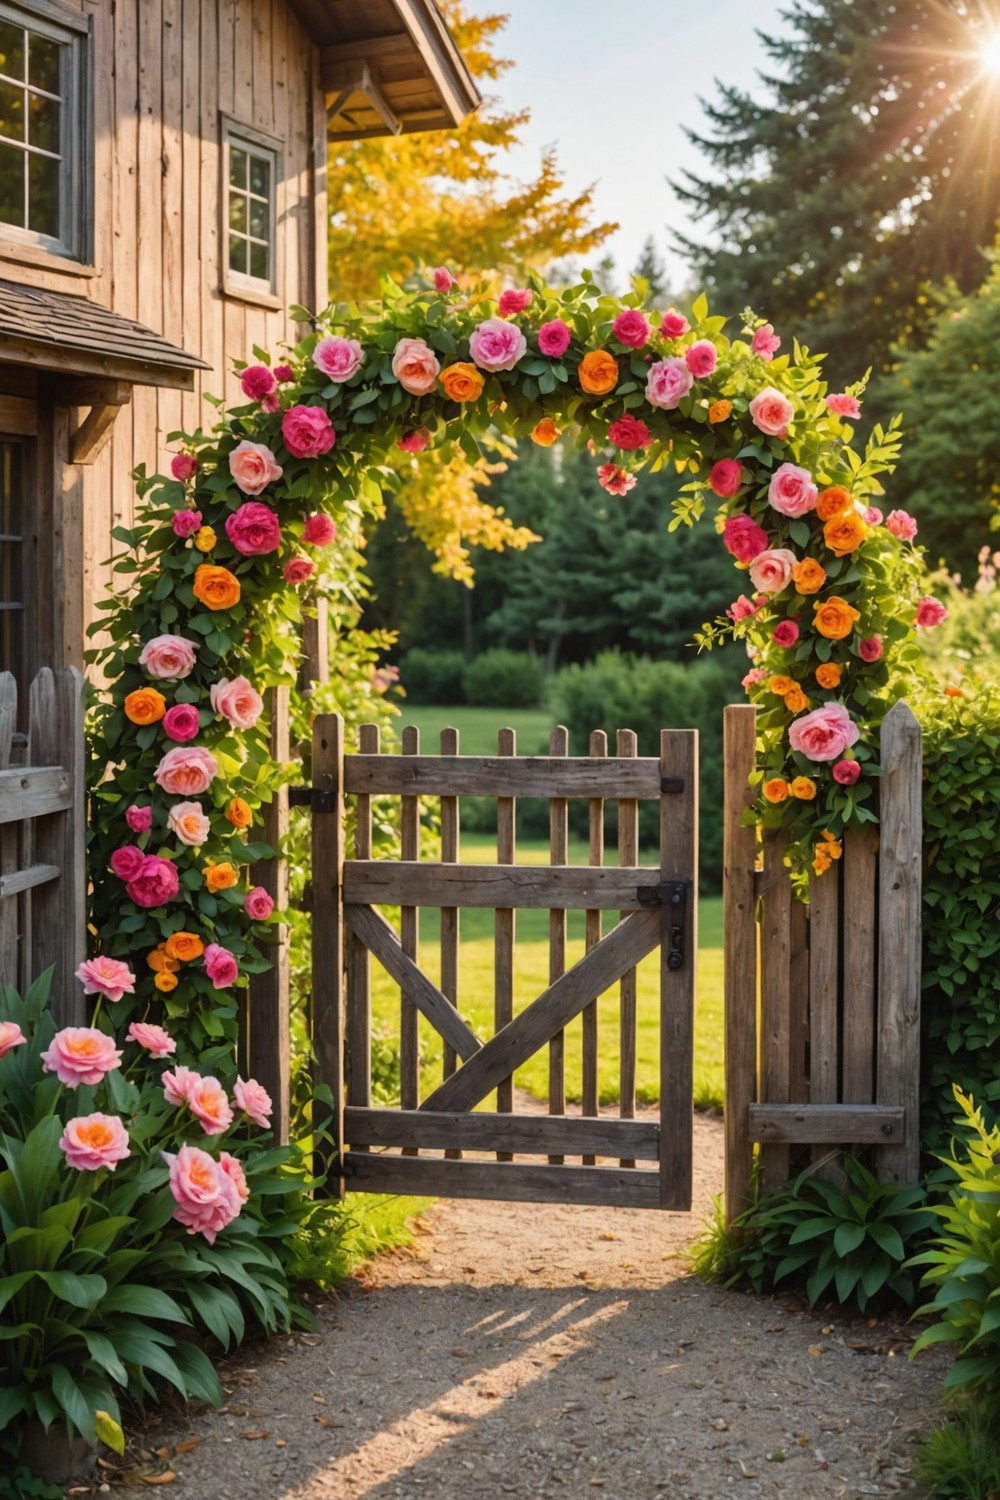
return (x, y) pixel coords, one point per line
(781, 685)
(844, 532)
(953, 692)
(160, 961)
(165, 981)
(835, 618)
(821, 863)
(833, 502)
(545, 433)
(775, 790)
(184, 946)
(239, 813)
(145, 706)
(221, 877)
(462, 382)
(719, 411)
(216, 587)
(804, 788)
(796, 701)
(829, 675)
(809, 577)
(598, 372)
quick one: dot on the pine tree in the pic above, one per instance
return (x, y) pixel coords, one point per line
(871, 170)
(650, 268)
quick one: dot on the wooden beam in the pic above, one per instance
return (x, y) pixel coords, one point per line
(44, 356)
(349, 79)
(512, 1182)
(19, 416)
(34, 792)
(392, 882)
(105, 399)
(392, 44)
(572, 1135)
(739, 952)
(25, 880)
(827, 1124)
(503, 776)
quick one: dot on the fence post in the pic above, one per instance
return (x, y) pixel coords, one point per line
(267, 1048)
(739, 953)
(900, 857)
(678, 861)
(59, 907)
(328, 924)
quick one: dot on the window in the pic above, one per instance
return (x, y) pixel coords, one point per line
(43, 142)
(251, 163)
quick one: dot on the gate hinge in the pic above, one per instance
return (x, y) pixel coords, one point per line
(671, 783)
(673, 895)
(315, 798)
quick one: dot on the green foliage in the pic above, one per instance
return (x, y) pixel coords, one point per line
(432, 676)
(961, 1460)
(19, 1483)
(504, 679)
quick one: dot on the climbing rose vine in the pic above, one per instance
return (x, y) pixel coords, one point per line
(266, 512)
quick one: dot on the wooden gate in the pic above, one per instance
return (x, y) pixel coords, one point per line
(445, 1144)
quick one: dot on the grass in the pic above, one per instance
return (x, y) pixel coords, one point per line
(477, 727)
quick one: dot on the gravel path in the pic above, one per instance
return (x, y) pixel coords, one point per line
(539, 1351)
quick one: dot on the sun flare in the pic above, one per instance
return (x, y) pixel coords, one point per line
(989, 54)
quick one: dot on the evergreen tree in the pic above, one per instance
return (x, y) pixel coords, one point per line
(651, 268)
(871, 169)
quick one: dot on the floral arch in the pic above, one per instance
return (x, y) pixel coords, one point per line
(269, 505)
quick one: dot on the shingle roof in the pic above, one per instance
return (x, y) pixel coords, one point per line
(55, 331)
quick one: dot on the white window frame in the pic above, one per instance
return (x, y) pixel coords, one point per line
(71, 30)
(257, 143)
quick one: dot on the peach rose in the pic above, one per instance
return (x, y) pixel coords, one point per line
(828, 675)
(110, 977)
(462, 382)
(178, 1083)
(156, 1041)
(825, 733)
(186, 771)
(216, 587)
(237, 700)
(254, 1100)
(771, 412)
(80, 1054)
(168, 656)
(90, 1142)
(844, 533)
(145, 706)
(189, 823)
(772, 569)
(776, 789)
(415, 366)
(668, 382)
(253, 466)
(544, 433)
(239, 813)
(221, 877)
(804, 788)
(809, 576)
(205, 1197)
(208, 1102)
(833, 502)
(166, 981)
(791, 491)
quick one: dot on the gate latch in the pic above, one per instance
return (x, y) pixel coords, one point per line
(317, 799)
(671, 894)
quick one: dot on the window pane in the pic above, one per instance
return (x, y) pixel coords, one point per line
(11, 186)
(44, 57)
(237, 167)
(12, 111)
(11, 50)
(43, 195)
(238, 212)
(43, 122)
(260, 176)
(259, 217)
(259, 261)
(237, 254)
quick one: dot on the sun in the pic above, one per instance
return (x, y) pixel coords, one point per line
(989, 54)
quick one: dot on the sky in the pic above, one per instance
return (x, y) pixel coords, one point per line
(612, 83)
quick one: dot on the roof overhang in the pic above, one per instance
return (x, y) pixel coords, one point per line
(388, 67)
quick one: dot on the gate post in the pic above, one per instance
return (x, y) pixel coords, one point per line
(739, 953)
(328, 924)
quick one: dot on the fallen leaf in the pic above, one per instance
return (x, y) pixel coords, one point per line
(828, 1328)
(493, 1395)
(319, 1398)
(188, 1446)
(166, 1478)
(815, 1349)
(305, 1339)
(325, 1421)
(468, 1270)
(280, 1443)
(253, 1436)
(460, 1353)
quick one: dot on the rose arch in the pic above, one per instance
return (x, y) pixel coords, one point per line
(265, 513)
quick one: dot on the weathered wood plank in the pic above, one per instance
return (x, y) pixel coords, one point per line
(775, 975)
(10, 836)
(270, 1000)
(900, 854)
(798, 1003)
(628, 944)
(739, 952)
(8, 716)
(827, 1124)
(678, 861)
(380, 938)
(497, 776)
(512, 1182)
(409, 932)
(34, 792)
(26, 880)
(558, 855)
(384, 882)
(449, 914)
(858, 898)
(627, 745)
(526, 1135)
(592, 936)
(328, 1018)
(359, 1001)
(824, 923)
(504, 930)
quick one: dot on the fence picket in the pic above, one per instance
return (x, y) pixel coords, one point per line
(592, 936)
(558, 855)
(860, 851)
(449, 914)
(328, 1016)
(359, 989)
(678, 862)
(739, 954)
(627, 746)
(504, 932)
(409, 935)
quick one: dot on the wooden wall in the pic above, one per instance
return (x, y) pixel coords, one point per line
(164, 72)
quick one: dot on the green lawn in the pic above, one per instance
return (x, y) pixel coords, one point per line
(477, 727)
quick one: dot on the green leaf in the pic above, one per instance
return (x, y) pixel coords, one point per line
(67, 1393)
(848, 1237)
(78, 1291)
(144, 1302)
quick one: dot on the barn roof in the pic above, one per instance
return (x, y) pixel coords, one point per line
(388, 66)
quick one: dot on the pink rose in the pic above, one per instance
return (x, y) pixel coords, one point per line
(742, 609)
(178, 1083)
(168, 656)
(257, 381)
(553, 338)
(870, 649)
(298, 569)
(106, 976)
(234, 1171)
(183, 466)
(90, 1142)
(701, 358)
(271, 403)
(414, 440)
(443, 279)
(186, 771)
(772, 570)
(753, 677)
(496, 345)
(632, 328)
(220, 966)
(80, 1054)
(825, 733)
(415, 366)
(771, 412)
(189, 823)
(126, 862)
(205, 1196)
(743, 538)
(668, 382)
(615, 480)
(674, 325)
(253, 466)
(253, 529)
(846, 772)
(786, 633)
(284, 373)
(791, 491)
(181, 722)
(155, 882)
(873, 516)
(307, 431)
(185, 522)
(726, 478)
(319, 531)
(629, 434)
(765, 342)
(338, 358)
(139, 819)
(11, 1035)
(901, 524)
(258, 904)
(514, 300)
(254, 1100)
(208, 1102)
(236, 700)
(844, 406)
(930, 611)
(157, 1042)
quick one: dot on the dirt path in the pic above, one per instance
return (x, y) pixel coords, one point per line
(562, 1352)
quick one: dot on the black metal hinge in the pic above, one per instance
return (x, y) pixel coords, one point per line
(315, 798)
(671, 894)
(671, 783)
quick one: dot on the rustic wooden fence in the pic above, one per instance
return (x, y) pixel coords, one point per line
(43, 884)
(823, 998)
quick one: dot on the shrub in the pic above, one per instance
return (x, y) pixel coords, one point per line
(433, 676)
(504, 679)
(961, 1460)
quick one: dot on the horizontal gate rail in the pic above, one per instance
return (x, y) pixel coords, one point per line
(498, 776)
(569, 1135)
(385, 882)
(827, 1124)
(516, 1182)
(34, 792)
